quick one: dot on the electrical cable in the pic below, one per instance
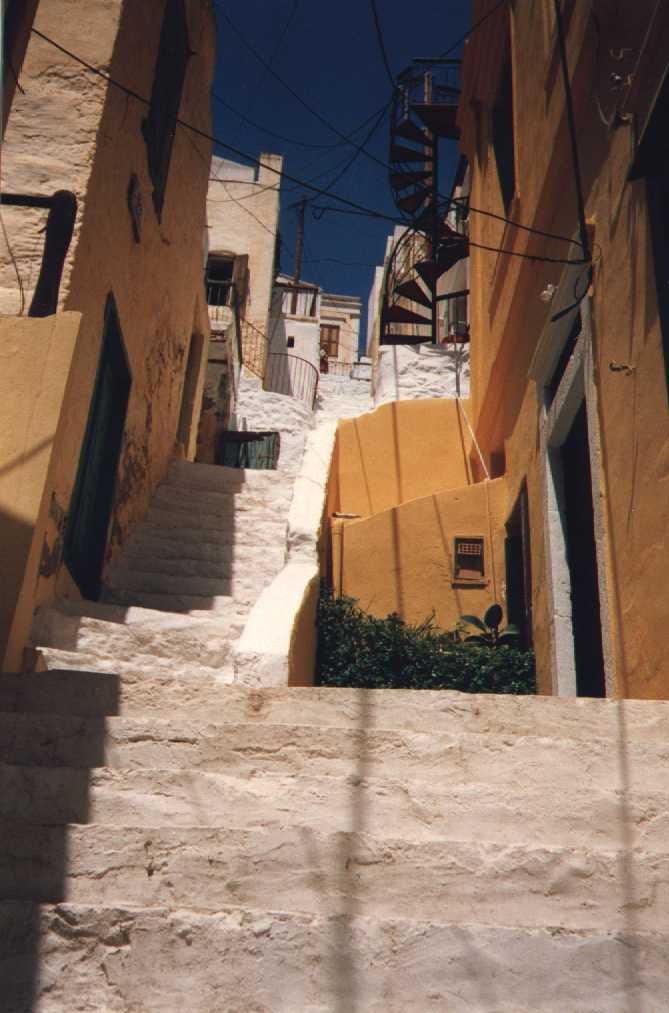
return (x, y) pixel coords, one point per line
(273, 56)
(382, 45)
(352, 159)
(580, 201)
(314, 112)
(272, 133)
(351, 206)
(19, 280)
(348, 160)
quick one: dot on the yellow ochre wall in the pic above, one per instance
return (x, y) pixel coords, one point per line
(35, 360)
(628, 401)
(401, 560)
(399, 452)
(71, 130)
(403, 469)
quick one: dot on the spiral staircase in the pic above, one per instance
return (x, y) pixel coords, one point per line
(424, 113)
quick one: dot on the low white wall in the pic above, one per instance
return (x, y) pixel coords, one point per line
(259, 410)
(278, 645)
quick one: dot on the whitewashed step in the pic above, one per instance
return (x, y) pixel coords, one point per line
(309, 872)
(153, 543)
(178, 602)
(71, 693)
(250, 583)
(157, 960)
(137, 664)
(96, 694)
(275, 493)
(417, 811)
(191, 517)
(263, 559)
(225, 504)
(214, 477)
(246, 750)
(113, 632)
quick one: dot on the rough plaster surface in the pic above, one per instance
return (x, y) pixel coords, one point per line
(260, 410)
(407, 372)
(180, 594)
(281, 849)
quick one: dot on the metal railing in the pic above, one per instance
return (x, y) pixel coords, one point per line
(292, 375)
(223, 300)
(333, 367)
(429, 82)
(219, 293)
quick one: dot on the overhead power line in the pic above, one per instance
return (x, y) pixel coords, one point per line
(273, 56)
(272, 133)
(382, 45)
(351, 206)
(303, 102)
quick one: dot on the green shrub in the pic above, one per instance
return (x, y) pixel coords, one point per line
(356, 649)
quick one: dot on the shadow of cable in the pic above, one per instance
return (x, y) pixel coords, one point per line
(630, 963)
(343, 960)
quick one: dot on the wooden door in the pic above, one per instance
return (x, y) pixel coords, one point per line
(92, 498)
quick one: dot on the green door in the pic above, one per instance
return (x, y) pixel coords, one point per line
(90, 507)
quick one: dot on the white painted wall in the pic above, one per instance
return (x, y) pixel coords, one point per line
(409, 372)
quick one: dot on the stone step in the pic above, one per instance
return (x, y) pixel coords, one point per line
(210, 540)
(305, 870)
(247, 750)
(202, 605)
(645, 721)
(120, 959)
(154, 543)
(248, 584)
(139, 557)
(96, 694)
(159, 517)
(128, 633)
(214, 477)
(416, 810)
(138, 665)
(176, 497)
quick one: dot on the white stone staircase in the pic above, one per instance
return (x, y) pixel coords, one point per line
(214, 537)
(341, 398)
(172, 843)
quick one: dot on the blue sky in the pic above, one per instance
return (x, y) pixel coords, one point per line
(329, 55)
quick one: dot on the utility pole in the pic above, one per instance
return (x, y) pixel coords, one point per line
(299, 242)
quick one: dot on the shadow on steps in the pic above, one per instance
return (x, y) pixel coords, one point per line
(35, 803)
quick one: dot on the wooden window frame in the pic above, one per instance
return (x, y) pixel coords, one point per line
(327, 342)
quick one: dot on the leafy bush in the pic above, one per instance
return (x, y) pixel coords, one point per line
(356, 649)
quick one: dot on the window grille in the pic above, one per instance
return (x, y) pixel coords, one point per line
(469, 559)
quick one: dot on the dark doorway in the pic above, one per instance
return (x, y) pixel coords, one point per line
(582, 559)
(186, 415)
(518, 569)
(91, 503)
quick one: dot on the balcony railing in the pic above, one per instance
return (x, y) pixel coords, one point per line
(333, 367)
(292, 375)
(430, 82)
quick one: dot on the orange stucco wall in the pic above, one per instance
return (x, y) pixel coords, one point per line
(627, 396)
(401, 484)
(68, 129)
(401, 560)
(399, 452)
